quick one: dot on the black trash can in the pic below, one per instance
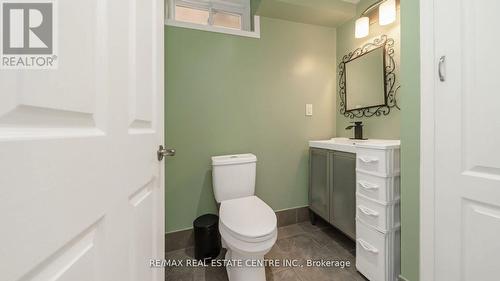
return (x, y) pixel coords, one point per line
(207, 244)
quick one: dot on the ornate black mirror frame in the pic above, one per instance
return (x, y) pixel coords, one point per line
(389, 76)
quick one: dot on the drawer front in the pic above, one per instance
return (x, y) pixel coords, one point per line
(376, 214)
(371, 252)
(376, 161)
(372, 160)
(378, 188)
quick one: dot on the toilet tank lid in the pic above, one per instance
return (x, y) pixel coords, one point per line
(233, 159)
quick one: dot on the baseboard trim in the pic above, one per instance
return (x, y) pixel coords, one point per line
(179, 240)
(182, 239)
(292, 216)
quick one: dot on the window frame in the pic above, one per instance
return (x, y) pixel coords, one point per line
(193, 8)
(213, 12)
(213, 6)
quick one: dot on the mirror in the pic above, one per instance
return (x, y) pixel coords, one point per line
(367, 79)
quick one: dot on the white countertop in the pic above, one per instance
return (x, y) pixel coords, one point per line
(349, 145)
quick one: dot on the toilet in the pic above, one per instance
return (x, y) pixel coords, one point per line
(247, 225)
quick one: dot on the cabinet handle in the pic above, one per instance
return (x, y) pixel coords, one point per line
(367, 211)
(441, 68)
(367, 159)
(367, 246)
(367, 185)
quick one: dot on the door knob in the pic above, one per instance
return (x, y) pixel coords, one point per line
(162, 152)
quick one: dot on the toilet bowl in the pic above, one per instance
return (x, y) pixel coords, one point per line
(248, 226)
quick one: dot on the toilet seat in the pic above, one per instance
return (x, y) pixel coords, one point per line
(248, 219)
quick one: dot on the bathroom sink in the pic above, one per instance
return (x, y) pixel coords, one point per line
(340, 144)
(346, 141)
(349, 145)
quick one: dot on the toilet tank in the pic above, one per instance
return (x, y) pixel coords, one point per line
(233, 176)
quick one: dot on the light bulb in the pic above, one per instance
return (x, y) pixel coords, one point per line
(362, 27)
(387, 12)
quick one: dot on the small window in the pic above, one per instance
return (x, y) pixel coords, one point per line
(193, 15)
(229, 20)
(217, 13)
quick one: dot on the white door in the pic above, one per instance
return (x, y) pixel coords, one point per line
(81, 189)
(467, 141)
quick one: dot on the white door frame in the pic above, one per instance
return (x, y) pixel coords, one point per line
(427, 139)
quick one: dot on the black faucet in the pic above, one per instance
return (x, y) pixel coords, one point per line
(358, 130)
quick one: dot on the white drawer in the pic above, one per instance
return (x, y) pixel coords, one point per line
(378, 188)
(377, 253)
(384, 163)
(381, 216)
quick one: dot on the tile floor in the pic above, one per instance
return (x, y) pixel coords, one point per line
(302, 241)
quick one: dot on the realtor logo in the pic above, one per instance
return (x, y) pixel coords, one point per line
(28, 34)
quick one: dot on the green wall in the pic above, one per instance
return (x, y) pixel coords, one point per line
(381, 127)
(402, 124)
(410, 139)
(229, 94)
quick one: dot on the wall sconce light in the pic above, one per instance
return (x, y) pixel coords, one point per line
(362, 27)
(387, 15)
(387, 12)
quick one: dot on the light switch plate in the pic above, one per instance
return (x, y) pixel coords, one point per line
(309, 109)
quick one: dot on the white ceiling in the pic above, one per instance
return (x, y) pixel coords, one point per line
(330, 13)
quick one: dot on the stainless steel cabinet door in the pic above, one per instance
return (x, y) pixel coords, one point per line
(319, 191)
(343, 195)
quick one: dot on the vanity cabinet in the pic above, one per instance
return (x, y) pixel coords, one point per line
(332, 188)
(355, 186)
